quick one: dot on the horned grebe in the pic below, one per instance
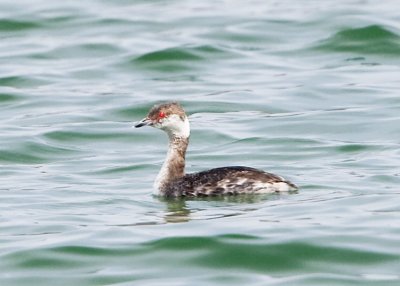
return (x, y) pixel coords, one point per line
(172, 181)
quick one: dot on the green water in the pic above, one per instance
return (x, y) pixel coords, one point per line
(305, 89)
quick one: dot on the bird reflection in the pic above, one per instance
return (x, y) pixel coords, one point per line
(178, 210)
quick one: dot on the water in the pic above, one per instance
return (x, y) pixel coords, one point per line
(305, 89)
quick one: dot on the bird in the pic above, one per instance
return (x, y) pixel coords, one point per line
(172, 181)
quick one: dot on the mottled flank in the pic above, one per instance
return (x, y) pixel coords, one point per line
(234, 180)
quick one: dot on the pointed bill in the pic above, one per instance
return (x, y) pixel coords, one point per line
(144, 122)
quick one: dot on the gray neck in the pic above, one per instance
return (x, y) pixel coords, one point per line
(174, 164)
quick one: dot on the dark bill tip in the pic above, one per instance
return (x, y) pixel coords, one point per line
(140, 124)
(143, 122)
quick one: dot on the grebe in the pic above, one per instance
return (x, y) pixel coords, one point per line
(172, 181)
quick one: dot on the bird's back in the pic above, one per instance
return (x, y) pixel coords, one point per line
(227, 181)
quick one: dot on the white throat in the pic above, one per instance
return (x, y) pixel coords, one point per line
(163, 175)
(174, 165)
(176, 127)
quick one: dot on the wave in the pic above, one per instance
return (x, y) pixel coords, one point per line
(373, 39)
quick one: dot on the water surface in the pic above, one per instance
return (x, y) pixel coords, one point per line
(308, 90)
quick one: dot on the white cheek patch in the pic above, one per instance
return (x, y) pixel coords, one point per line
(175, 126)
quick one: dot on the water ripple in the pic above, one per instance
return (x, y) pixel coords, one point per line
(373, 39)
(177, 58)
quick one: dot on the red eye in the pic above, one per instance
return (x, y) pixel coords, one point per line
(161, 115)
